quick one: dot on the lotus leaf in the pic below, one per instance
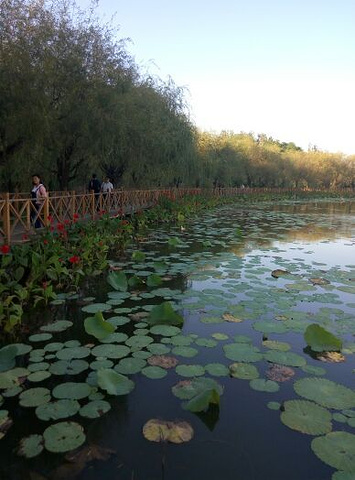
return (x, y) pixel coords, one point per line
(220, 336)
(244, 371)
(114, 383)
(202, 401)
(325, 392)
(118, 280)
(7, 357)
(242, 352)
(142, 354)
(339, 417)
(31, 446)
(187, 389)
(12, 392)
(11, 378)
(285, 358)
(96, 307)
(206, 342)
(154, 373)
(118, 321)
(275, 345)
(190, 370)
(66, 367)
(270, 326)
(306, 417)
(72, 343)
(5, 422)
(35, 397)
(165, 330)
(181, 340)
(336, 449)
(156, 430)
(22, 348)
(343, 476)
(53, 347)
(320, 340)
(38, 376)
(58, 326)
(130, 366)
(95, 409)
(158, 349)
(273, 405)
(262, 385)
(279, 273)
(98, 327)
(63, 437)
(164, 314)
(40, 337)
(73, 352)
(99, 364)
(111, 351)
(138, 256)
(187, 352)
(314, 370)
(217, 369)
(71, 390)
(154, 280)
(57, 410)
(139, 341)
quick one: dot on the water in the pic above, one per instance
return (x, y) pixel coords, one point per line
(222, 264)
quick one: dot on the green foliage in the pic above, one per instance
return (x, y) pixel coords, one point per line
(164, 314)
(320, 340)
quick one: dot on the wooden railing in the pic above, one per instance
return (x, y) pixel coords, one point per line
(18, 214)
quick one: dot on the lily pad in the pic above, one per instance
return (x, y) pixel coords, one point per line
(31, 446)
(95, 409)
(154, 372)
(165, 330)
(325, 392)
(156, 430)
(244, 371)
(57, 410)
(217, 369)
(130, 366)
(63, 437)
(164, 314)
(118, 280)
(242, 352)
(38, 376)
(262, 385)
(98, 327)
(114, 383)
(58, 326)
(34, 397)
(187, 389)
(306, 417)
(190, 370)
(336, 449)
(40, 337)
(111, 351)
(71, 390)
(187, 352)
(285, 358)
(12, 378)
(66, 367)
(139, 341)
(320, 340)
(73, 352)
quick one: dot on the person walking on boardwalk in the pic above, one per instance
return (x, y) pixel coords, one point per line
(95, 186)
(106, 187)
(38, 194)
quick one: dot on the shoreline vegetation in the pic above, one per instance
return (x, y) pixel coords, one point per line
(61, 258)
(74, 101)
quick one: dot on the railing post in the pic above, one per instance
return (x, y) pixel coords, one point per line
(46, 211)
(73, 205)
(92, 204)
(6, 219)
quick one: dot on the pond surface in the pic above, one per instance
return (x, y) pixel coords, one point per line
(216, 273)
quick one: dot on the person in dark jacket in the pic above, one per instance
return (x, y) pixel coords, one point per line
(95, 186)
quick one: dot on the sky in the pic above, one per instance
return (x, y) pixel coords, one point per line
(285, 68)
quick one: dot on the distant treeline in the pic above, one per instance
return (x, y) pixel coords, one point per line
(74, 102)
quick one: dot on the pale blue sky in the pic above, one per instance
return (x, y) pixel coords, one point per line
(281, 67)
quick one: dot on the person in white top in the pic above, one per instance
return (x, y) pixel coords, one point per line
(106, 187)
(38, 194)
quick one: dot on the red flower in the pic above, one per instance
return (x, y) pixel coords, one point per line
(5, 249)
(45, 241)
(50, 218)
(74, 259)
(60, 227)
(24, 237)
(66, 221)
(75, 216)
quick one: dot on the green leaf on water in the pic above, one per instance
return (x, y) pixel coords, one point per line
(63, 437)
(285, 358)
(98, 327)
(95, 409)
(138, 256)
(72, 390)
(336, 449)
(190, 370)
(34, 397)
(306, 417)
(244, 371)
(31, 446)
(325, 392)
(262, 385)
(118, 280)
(320, 340)
(154, 280)
(164, 314)
(57, 410)
(114, 383)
